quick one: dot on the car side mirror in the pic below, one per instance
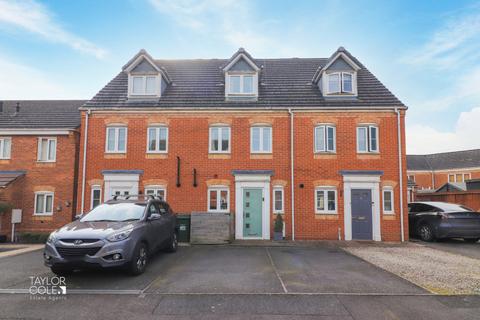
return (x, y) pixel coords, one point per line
(78, 216)
(154, 216)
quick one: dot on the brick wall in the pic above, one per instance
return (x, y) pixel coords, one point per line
(188, 139)
(58, 177)
(424, 179)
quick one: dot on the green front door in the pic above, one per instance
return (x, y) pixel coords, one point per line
(252, 212)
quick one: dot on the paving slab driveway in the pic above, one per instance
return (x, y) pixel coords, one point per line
(225, 269)
(228, 269)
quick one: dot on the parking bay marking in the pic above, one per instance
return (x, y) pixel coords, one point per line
(140, 293)
(276, 271)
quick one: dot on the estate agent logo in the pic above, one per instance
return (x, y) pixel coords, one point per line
(51, 288)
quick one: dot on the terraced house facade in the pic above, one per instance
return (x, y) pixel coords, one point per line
(39, 143)
(319, 141)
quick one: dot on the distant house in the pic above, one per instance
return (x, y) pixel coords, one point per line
(38, 162)
(432, 171)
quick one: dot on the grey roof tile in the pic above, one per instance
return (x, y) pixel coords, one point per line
(283, 83)
(35, 114)
(446, 160)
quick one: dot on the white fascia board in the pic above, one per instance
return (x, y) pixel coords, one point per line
(34, 132)
(139, 59)
(346, 58)
(241, 55)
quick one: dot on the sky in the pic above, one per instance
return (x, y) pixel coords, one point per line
(426, 52)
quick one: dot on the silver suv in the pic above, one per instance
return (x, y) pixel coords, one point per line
(118, 233)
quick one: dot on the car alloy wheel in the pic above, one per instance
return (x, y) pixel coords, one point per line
(142, 258)
(174, 242)
(426, 233)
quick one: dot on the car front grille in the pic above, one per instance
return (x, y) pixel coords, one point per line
(77, 252)
(82, 240)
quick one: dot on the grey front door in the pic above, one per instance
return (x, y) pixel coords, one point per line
(362, 214)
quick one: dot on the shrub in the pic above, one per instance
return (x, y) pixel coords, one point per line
(32, 237)
(5, 207)
(278, 227)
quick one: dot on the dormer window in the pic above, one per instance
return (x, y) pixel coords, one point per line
(340, 82)
(338, 78)
(144, 85)
(241, 77)
(241, 84)
(146, 79)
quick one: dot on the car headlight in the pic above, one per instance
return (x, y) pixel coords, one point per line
(51, 238)
(119, 236)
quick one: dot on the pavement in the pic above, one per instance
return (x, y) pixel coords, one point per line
(219, 282)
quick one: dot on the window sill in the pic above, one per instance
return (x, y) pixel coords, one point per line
(389, 216)
(216, 211)
(368, 155)
(326, 216)
(43, 214)
(152, 155)
(257, 156)
(4, 161)
(325, 155)
(220, 156)
(278, 212)
(46, 164)
(110, 155)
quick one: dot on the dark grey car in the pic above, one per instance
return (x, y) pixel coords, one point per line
(118, 233)
(439, 220)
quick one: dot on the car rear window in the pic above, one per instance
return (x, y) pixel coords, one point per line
(116, 212)
(452, 207)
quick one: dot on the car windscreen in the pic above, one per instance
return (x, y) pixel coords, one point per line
(449, 207)
(116, 212)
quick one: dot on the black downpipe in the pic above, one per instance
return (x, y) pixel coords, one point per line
(194, 177)
(178, 172)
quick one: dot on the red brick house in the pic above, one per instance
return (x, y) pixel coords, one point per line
(429, 172)
(318, 140)
(39, 162)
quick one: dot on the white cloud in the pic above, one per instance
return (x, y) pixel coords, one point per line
(232, 21)
(28, 15)
(456, 42)
(18, 81)
(423, 139)
(464, 85)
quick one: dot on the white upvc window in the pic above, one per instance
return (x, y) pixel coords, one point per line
(458, 177)
(156, 191)
(326, 200)
(388, 206)
(278, 200)
(340, 82)
(325, 138)
(219, 139)
(157, 139)
(47, 149)
(96, 196)
(367, 139)
(43, 203)
(411, 177)
(116, 141)
(218, 199)
(261, 139)
(241, 84)
(5, 148)
(144, 85)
